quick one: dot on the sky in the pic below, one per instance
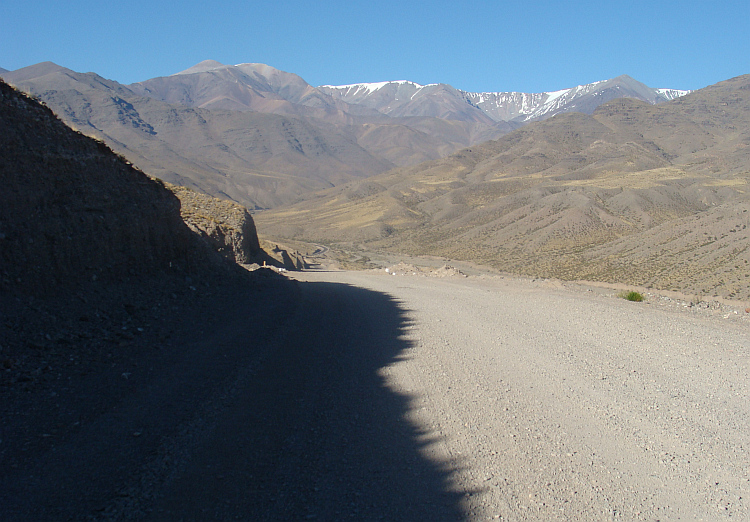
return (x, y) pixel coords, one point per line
(476, 46)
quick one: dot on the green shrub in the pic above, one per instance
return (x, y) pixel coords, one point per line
(632, 296)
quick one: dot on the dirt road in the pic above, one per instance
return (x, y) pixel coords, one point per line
(556, 406)
(365, 396)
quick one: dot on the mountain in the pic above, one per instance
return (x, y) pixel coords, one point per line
(583, 98)
(246, 87)
(650, 195)
(405, 98)
(256, 159)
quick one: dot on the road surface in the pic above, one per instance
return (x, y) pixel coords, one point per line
(364, 396)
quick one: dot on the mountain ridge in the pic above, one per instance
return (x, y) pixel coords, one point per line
(501, 106)
(257, 135)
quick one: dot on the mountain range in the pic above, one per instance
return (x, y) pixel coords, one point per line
(263, 137)
(261, 88)
(649, 195)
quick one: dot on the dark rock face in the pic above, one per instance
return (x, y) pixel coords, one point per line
(71, 210)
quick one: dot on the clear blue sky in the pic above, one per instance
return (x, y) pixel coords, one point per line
(530, 46)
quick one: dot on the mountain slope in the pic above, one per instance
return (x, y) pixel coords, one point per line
(572, 196)
(256, 159)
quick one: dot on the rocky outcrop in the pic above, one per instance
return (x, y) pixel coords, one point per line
(227, 227)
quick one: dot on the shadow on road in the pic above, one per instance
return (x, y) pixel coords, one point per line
(268, 403)
(315, 433)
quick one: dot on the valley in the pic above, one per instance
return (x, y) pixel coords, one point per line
(653, 196)
(611, 181)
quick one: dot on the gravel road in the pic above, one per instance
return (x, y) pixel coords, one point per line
(364, 396)
(553, 405)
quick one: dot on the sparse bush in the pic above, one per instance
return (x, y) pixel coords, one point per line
(632, 296)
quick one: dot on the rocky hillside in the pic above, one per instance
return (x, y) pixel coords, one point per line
(103, 291)
(95, 258)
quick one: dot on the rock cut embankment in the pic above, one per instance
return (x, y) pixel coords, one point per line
(71, 210)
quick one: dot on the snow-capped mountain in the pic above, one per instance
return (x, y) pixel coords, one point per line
(262, 88)
(405, 98)
(408, 99)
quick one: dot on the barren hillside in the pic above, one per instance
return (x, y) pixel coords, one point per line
(577, 196)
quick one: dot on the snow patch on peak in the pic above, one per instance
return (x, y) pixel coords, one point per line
(372, 87)
(671, 94)
(552, 96)
(369, 88)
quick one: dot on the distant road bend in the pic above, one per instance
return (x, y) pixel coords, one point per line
(377, 397)
(320, 250)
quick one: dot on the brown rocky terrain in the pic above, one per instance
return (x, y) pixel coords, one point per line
(634, 193)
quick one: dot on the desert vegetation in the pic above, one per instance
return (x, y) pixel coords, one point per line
(632, 295)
